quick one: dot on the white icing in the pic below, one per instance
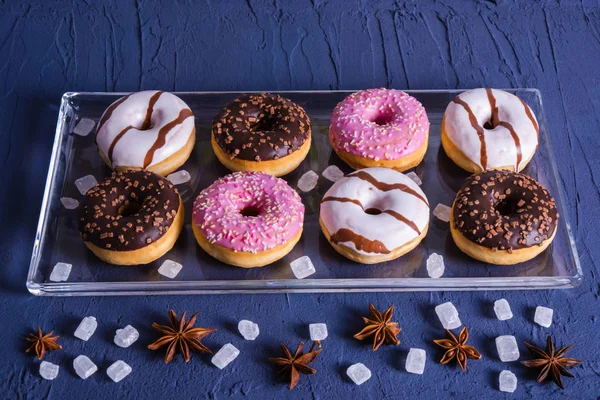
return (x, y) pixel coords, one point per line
(500, 146)
(383, 227)
(132, 147)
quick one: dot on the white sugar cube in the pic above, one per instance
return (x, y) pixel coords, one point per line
(60, 272)
(84, 367)
(359, 373)
(442, 212)
(333, 173)
(179, 177)
(248, 329)
(85, 183)
(317, 331)
(415, 178)
(435, 265)
(84, 127)
(69, 203)
(502, 310)
(86, 328)
(126, 337)
(308, 181)
(415, 361)
(48, 370)
(225, 355)
(170, 269)
(118, 370)
(448, 315)
(302, 267)
(543, 316)
(507, 381)
(507, 348)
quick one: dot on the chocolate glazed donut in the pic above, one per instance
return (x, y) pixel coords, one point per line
(261, 132)
(502, 217)
(133, 217)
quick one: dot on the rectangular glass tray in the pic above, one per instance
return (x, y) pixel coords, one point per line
(57, 238)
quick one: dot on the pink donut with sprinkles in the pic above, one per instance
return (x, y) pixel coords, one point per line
(248, 219)
(380, 128)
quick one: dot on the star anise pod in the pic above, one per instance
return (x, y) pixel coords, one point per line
(552, 363)
(42, 343)
(298, 362)
(380, 327)
(180, 335)
(456, 348)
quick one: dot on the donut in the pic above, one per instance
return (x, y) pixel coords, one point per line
(503, 217)
(149, 130)
(380, 128)
(486, 129)
(374, 215)
(248, 219)
(261, 132)
(131, 218)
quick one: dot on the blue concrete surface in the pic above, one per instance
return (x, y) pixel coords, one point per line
(50, 47)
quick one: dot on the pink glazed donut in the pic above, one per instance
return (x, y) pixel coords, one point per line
(248, 219)
(380, 128)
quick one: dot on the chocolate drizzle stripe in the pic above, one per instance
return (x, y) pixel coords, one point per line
(163, 132)
(386, 187)
(478, 128)
(530, 116)
(493, 108)
(115, 140)
(517, 142)
(360, 242)
(109, 111)
(393, 213)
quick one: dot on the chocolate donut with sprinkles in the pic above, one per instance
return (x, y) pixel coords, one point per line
(133, 217)
(248, 219)
(503, 217)
(261, 132)
(380, 128)
(485, 129)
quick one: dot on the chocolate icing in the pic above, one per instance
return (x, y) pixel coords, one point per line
(503, 210)
(102, 224)
(258, 127)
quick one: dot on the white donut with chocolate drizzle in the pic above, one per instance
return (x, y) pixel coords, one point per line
(143, 129)
(492, 128)
(374, 211)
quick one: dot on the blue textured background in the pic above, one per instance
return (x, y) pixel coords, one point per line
(47, 48)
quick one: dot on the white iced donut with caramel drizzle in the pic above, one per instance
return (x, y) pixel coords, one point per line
(485, 129)
(150, 130)
(374, 215)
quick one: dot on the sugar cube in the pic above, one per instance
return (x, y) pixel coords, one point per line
(60, 272)
(85, 183)
(118, 370)
(302, 267)
(333, 173)
(308, 181)
(359, 373)
(170, 269)
(415, 361)
(502, 310)
(415, 178)
(317, 331)
(248, 329)
(507, 348)
(442, 212)
(435, 265)
(179, 177)
(507, 381)
(225, 355)
(69, 203)
(84, 367)
(86, 328)
(48, 370)
(448, 315)
(126, 337)
(84, 127)
(543, 316)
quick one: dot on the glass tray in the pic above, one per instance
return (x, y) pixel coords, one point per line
(57, 238)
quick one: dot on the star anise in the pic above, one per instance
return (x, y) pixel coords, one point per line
(380, 327)
(552, 363)
(42, 343)
(180, 335)
(298, 362)
(456, 348)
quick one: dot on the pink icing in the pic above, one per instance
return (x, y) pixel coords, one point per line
(217, 212)
(379, 124)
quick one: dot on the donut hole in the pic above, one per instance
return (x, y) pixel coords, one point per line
(382, 119)
(264, 124)
(250, 211)
(129, 208)
(373, 211)
(507, 206)
(489, 125)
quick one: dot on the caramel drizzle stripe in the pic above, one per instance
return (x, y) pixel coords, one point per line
(109, 111)
(478, 128)
(360, 242)
(530, 116)
(145, 124)
(517, 142)
(163, 132)
(386, 187)
(393, 213)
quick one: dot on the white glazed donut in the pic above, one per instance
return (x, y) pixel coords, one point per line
(485, 129)
(374, 215)
(149, 130)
